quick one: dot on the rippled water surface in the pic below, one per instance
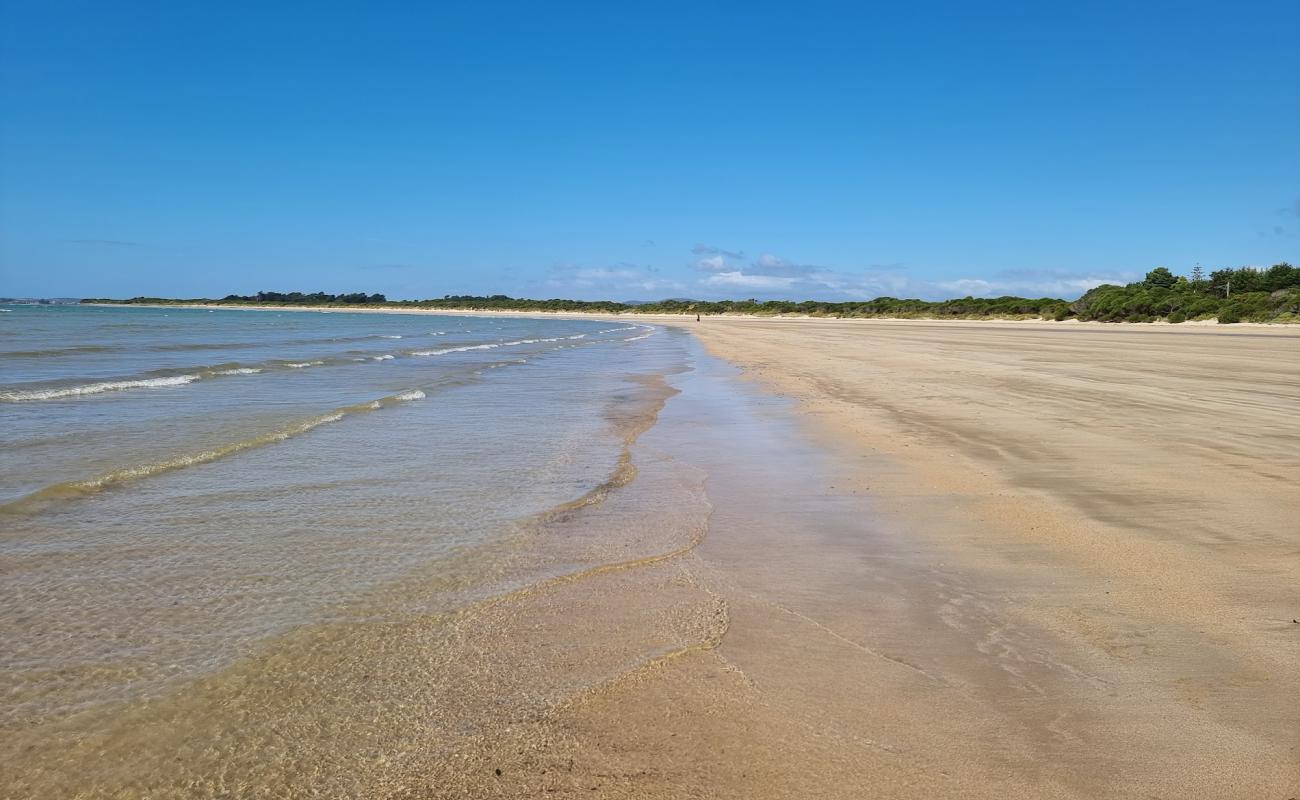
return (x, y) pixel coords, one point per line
(179, 488)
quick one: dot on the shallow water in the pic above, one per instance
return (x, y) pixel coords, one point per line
(181, 487)
(369, 578)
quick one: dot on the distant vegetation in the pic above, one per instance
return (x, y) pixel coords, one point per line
(1228, 295)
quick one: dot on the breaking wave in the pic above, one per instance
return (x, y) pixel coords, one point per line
(18, 396)
(238, 371)
(157, 381)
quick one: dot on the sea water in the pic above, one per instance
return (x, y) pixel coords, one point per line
(183, 491)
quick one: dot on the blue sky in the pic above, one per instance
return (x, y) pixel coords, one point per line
(633, 151)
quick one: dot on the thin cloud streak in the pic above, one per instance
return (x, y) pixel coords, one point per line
(771, 276)
(103, 242)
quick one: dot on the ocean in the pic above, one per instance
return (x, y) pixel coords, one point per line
(236, 544)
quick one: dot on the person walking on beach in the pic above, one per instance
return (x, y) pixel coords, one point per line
(697, 317)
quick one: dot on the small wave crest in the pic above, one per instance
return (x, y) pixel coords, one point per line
(19, 396)
(204, 457)
(117, 477)
(464, 349)
(237, 371)
(303, 364)
(494, 345)
(52, 352)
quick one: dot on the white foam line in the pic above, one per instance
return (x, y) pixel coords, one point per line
(446, 350)
(237, 371)
(491, 346)
(97, 388)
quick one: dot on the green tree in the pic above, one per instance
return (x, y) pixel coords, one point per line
(1160, 276)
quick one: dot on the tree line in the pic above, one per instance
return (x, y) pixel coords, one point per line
(1228, 295)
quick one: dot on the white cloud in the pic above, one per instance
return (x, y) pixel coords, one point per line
(620, 279)
(1033, 283)
(767, 261)
(776, 277)
(964, 286)
(739, 279)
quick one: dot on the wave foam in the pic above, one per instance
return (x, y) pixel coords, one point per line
(464, 349)
(73, 489)
(238, 371)
(97, 388)
(493, 345)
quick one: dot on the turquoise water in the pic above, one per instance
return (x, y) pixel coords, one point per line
(181, 486)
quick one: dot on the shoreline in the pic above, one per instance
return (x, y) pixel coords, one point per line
(688, 319)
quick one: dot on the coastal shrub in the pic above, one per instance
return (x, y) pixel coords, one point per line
(1160, 276)
(1177, 317)
(1201, 307)
(1246, 293)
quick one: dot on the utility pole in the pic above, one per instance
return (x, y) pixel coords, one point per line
(1227, 291)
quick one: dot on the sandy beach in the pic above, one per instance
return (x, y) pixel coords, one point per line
(836, 558)
(1123, 502)
(1036, 561)
(1078, 580)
